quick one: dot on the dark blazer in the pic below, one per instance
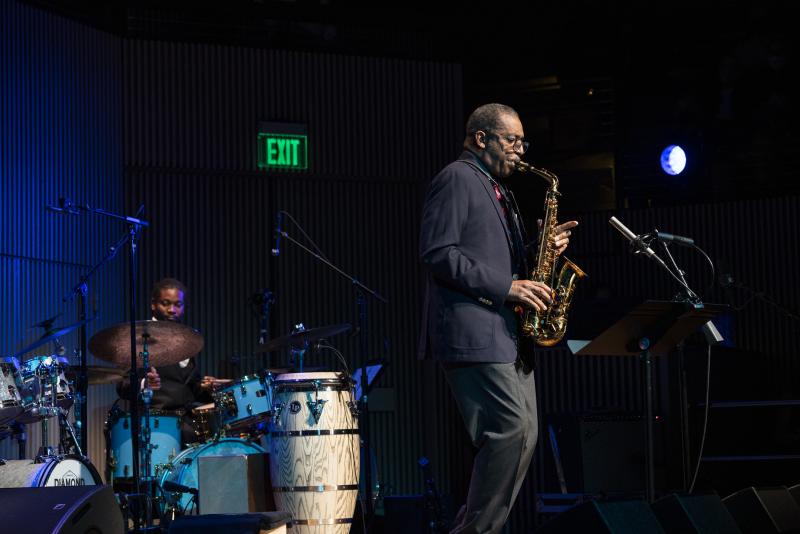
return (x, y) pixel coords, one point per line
(180, 387)
(465, 246)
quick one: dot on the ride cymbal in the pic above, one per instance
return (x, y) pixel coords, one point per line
(168, 343)
(304, 337)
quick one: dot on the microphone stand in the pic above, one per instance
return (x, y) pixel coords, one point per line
(688, 297)
(361, 302)
(135, 226)
(81, 289)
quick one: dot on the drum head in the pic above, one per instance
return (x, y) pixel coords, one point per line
(312, 381)
(321, 375)
(68, 471)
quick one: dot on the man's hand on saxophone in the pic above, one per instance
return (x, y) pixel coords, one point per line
(532, 294)
(562, 233)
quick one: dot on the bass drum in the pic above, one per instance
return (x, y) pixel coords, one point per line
(66, 471)
(183, 470)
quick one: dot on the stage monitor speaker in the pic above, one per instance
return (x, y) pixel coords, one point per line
(60, 510)
(694, 514)
(764, 510)
(603, 453)
(605, 517)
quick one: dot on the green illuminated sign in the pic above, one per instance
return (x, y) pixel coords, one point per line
(282, 151)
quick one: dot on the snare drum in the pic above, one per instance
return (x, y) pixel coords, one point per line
(44, 385)
(246, 404)
(315, 452)
(206, 422)
(184, 469)
(165, 438)
(66, 471)
(11, 402)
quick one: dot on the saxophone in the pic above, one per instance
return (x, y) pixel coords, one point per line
(548, 327)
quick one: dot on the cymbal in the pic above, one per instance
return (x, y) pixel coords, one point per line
(101, 374)
(168, 343)
(50, 337)
(300, 339)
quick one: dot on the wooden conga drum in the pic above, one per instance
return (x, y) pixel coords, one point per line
(314, 461)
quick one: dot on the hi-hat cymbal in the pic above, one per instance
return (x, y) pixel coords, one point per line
(300, 339)
(51, 336)
(168, 343)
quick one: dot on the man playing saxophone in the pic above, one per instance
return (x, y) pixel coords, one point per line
(473, 247)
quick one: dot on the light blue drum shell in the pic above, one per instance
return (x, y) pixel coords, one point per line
(184, 468)
(253, 398)
(165, 435)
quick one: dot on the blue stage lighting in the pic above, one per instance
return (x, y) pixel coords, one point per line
(673, 160)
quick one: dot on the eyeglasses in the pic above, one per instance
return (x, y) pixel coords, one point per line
(518, 143)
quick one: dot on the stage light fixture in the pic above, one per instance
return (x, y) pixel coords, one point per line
(673, 160)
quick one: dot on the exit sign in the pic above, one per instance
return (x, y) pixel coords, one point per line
(282, 145)
(282, 151)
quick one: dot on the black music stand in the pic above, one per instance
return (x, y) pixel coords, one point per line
(653, 328)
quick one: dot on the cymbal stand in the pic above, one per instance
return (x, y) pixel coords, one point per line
(264, 301)
(70, 432)
(146, 446)
(361, 292)
(46, 411)
(298, 353)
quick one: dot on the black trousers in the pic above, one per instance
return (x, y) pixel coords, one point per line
(497, 402)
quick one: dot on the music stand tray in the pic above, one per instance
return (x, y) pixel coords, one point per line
(653, 328)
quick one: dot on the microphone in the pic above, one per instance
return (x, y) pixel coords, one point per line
(168, 485)
(677, 239)
(633, 238)
(276, 250)
(65, 205)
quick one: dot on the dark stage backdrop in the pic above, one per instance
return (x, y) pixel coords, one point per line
(60, 136)
(377, 130)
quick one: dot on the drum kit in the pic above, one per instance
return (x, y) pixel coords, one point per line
(306, 421)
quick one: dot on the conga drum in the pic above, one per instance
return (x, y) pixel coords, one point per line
(314, 461)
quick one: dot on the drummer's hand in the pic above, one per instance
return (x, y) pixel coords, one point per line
(207, 382)
(153, 380)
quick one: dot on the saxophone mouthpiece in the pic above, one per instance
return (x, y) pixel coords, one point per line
(522, 166)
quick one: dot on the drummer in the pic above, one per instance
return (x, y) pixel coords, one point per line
(176, 387)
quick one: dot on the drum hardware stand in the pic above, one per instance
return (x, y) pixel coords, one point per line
(264, 300)
(298, 353)
(68, 431)
(276, 412)
(361, 292)
(146, 447)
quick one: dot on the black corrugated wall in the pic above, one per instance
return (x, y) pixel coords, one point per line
(60, 136)
(377, 129)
